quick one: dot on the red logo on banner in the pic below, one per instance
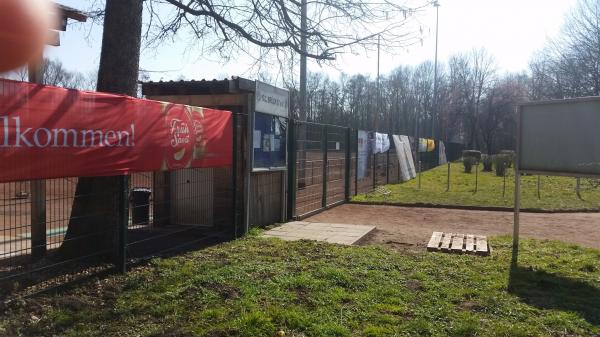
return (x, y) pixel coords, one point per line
(199, 141)
(180, 152)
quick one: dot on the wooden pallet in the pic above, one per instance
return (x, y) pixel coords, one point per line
(459, 243)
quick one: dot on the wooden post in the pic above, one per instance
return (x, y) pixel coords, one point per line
(387, 167)
(504, 178)
(448, 181)
(37, 187)
(578, 187)
(476, 176)
(249, 110)
(419, 175)
(538, 187)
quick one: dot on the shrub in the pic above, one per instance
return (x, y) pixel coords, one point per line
(487, 162)
(472, 153)
(468, 162)
(511, 155)
(501, 162)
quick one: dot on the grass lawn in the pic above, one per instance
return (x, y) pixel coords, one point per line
(259, 287)
(557, 193)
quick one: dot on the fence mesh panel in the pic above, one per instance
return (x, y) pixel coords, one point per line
(336, 164)
(309, 167)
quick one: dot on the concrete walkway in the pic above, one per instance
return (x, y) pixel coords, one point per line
(343, 234)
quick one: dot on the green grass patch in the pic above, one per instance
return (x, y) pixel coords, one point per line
(556, 193)
(258, 287)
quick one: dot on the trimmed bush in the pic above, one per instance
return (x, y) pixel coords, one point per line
(501, 162)
(487, 162)
(468, 162)
(472, 153)
(511, 155)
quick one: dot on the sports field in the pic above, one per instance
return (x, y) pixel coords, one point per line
(556, 193)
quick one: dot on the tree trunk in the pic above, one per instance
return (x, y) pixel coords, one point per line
(95, 212)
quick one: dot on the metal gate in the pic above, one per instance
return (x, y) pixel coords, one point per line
(320, 166)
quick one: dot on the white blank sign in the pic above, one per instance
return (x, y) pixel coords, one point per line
(560, 137)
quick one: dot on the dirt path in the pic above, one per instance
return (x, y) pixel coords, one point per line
(409, 227)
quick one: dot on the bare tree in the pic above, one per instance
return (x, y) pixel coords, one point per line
(55, 74)
(227, 27)
(230, 27)
(95, 212)
(569, 66)
(471, 77)
(497, 120)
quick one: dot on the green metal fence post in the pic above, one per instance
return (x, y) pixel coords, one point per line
(292, 186)
(356, 163)
(347, 167)
(324, 172)
(122, 223)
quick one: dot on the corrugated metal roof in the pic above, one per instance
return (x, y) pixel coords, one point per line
(72, 13)
(235, 85)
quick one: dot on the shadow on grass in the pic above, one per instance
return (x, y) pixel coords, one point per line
(549, 291)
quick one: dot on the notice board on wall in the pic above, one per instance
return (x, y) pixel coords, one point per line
(269, 141)
(269, 134)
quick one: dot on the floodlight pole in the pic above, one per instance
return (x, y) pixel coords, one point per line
(301, 131)
(376, 115)
(435, 70)
(303, 66)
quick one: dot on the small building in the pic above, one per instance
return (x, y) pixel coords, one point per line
(261, 193)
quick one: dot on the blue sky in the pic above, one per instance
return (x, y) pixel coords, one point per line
(511, 30)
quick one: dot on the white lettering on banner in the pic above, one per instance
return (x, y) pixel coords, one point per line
(62, 137)
(36, 137)
(65, 134)
(180, 132)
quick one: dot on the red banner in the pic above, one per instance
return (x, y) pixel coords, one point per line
(48, 132)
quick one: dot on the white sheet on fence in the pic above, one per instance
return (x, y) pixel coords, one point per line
(382, 143)
(442, 153)
(363, 154)
(409, 156)
(404, 174)
(386, 142)
(405, 159)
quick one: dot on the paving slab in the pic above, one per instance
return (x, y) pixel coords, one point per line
(344, 234)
